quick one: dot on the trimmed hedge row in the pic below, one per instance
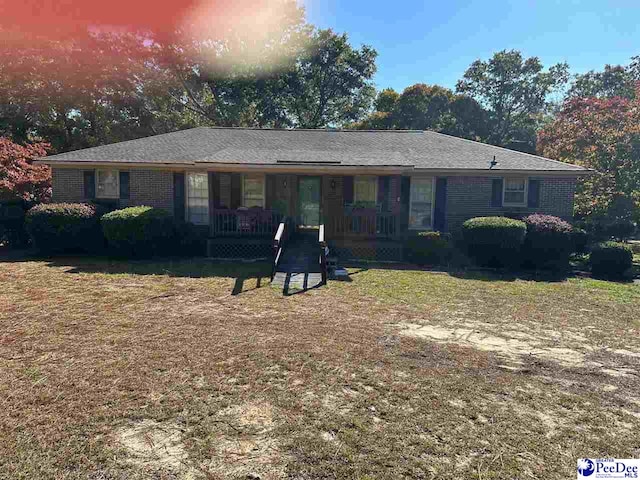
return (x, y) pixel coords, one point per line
(548, 243)
(611, 260)
(65, 227)
(494, 241)
(429, 248)
(139, 231)
(134, 231)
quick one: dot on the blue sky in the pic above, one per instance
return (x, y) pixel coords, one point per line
(435, 41)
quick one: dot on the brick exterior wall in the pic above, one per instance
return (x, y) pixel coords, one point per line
(333, 198)
(67, 185)
(394, 194)
(225, 190)
(469, 197)
(153, 188)
(146, 187)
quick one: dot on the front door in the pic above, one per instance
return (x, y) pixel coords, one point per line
(309, 201)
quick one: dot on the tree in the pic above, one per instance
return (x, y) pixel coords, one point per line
(19, 177)
(613, 81)
(386, 100)
(604, 135)
(422, 107)
(331, 83)
(428, 107)
(515, 92)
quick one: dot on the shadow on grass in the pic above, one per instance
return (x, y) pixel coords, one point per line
(241, 271)
(482, 274)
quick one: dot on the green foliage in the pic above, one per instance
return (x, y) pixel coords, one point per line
(514, 90)
(429, 248)
(63, 227)
(611, 260)
(548, 242)
(12, 227)
(580, 240)
(428, 107)
(140, 232)
(613, 81)
(331, 83)
(494, 241)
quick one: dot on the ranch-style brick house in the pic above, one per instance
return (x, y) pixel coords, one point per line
(368, 190)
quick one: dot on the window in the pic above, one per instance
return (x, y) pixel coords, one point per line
(198, 198)
(515, 192)
(252, 190)
(421, 203)
(365, 191)
(107, 184)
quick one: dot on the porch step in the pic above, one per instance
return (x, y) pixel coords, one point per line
(301, 254)
(294, 282)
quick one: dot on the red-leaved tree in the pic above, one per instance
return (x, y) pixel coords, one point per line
(19, 177)
(602, 134)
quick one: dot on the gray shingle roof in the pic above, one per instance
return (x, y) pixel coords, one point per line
(406, 149)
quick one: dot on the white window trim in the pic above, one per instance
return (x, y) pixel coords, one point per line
(375, 196)
(117, 195)
(433, 203)
(526, 192)
(186, 197)
(264, 189)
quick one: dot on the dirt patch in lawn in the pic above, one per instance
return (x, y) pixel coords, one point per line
(519, 347)
(511, 349)
(249, 446)
(242, 444)
(154, 445)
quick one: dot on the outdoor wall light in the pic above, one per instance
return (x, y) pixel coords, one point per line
(284, 183)
(333, 184)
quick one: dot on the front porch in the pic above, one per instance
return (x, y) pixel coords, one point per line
(362, 216)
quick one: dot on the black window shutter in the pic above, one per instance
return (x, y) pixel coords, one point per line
(534, 194)
(124, 185)
(178, 196)
(383, 192)
(214, 190)
(269, 190)
(236, 190)
(347, 185)
(405, 195)
(496, 192)
(440, 207)
(90, 184)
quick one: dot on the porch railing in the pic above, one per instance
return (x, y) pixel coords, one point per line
(363, 223)
(252, 222)
(282, 235)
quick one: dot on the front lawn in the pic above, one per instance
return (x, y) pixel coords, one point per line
(192, 369)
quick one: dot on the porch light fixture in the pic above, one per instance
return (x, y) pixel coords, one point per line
(284, 183)
(333, 184)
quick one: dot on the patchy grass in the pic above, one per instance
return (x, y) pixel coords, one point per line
(191, 369)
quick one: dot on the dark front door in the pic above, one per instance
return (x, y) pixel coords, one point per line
(309, 201)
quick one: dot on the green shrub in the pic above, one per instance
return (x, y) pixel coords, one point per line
(140, 232)
(429, 248)
(611, 260)
(621, 229)
(12, 227)
(493, 241)
(548, 242)
(580, 240)
(63, 227)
